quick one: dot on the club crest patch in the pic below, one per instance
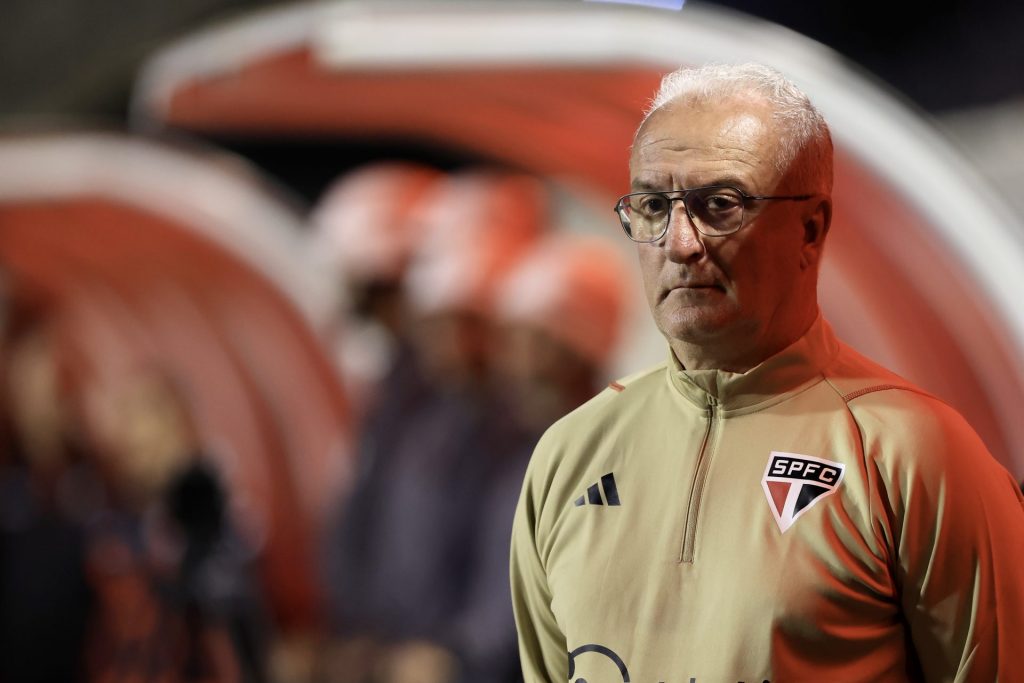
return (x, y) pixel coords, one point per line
(794, 483)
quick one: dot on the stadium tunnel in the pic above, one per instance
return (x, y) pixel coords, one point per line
(923, 270)
(152, 256)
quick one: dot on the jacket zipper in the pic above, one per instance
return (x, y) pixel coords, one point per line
(697, 490)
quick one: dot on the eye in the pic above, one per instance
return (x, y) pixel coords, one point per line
(721, 201)
(650, 204)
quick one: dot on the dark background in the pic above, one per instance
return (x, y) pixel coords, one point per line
(960, 62)
(78, 57)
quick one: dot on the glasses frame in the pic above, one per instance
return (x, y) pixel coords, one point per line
(682, 196)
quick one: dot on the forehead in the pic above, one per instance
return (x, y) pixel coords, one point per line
(689, 144)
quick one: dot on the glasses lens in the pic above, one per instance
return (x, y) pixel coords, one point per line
(716, 210)
(645, 215)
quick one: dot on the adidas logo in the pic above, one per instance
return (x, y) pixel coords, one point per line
(593, 497)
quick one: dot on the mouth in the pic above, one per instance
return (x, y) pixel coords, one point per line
(692, 288)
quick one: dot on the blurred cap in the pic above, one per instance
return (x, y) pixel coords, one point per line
(362, 223)
(575, 289)
(476, 226)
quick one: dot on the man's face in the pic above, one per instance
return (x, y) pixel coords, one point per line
(722, 290)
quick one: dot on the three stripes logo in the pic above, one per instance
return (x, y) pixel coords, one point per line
(593, 496)
(793, 483)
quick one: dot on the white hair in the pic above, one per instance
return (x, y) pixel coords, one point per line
(804, 130)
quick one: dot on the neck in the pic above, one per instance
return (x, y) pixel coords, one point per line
(744, 349)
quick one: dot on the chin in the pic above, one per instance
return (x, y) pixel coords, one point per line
(697, 326)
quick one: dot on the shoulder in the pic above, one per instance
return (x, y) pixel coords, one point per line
(883, 402)
(853, 375)
(924, 457)
(611, 405)
(904, 429)
(565, 449)
(872, 391)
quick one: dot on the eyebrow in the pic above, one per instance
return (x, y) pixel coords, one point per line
(645, 186)
(730, 180)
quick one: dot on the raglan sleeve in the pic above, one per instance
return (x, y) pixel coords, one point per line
(959, 551)
(542, 645)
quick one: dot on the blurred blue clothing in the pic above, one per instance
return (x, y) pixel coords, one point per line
(424, 524)
(419, 550)
(484, 633)
(351, 537)
(401, 560)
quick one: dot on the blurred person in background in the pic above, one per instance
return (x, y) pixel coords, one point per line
(48, 495)
(559, 313)
(175, 599)
(399, 557)
(363, 228)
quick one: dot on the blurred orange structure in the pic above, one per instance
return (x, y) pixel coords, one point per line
(922, 271)
(156, 258)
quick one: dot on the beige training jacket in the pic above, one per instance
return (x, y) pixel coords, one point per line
(814, 519)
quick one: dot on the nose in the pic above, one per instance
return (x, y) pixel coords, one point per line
(683, 243)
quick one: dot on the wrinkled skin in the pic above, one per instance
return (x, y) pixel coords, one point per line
(728, 302)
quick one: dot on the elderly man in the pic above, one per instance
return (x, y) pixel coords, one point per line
(767, 505)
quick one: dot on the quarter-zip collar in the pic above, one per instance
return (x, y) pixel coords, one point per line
(788, 372)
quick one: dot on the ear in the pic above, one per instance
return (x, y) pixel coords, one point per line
(817, 221)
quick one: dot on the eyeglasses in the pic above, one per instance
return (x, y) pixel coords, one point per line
(715, 210)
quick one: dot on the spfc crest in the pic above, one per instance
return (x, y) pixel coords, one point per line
(793, 483)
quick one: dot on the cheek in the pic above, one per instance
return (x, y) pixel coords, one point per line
(651, 260)
(765, 270)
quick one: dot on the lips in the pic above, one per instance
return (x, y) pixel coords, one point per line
(695, 286)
